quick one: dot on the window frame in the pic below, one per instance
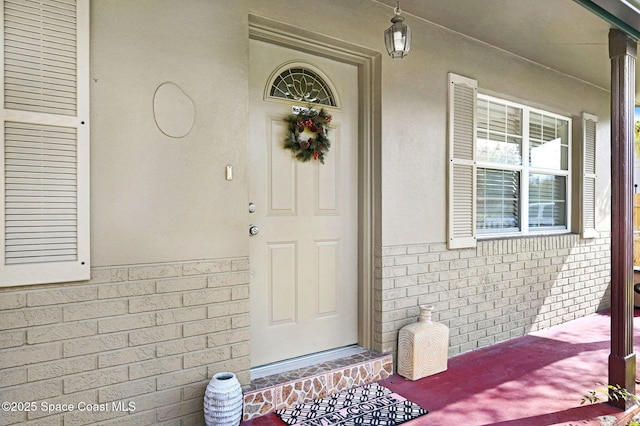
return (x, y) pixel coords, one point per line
(525, 170)
(461, 176)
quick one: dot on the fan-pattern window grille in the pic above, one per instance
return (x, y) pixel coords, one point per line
(303, 85)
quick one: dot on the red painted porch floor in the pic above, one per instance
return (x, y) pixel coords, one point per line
(536, 380)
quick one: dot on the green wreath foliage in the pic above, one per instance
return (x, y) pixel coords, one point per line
(315, 147)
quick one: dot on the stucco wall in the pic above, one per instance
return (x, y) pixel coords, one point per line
(417, 213)
(157, 198)
(414, 99)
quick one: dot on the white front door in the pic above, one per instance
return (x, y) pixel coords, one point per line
(304, 259)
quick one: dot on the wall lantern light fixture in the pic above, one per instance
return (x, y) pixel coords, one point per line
(397, 37)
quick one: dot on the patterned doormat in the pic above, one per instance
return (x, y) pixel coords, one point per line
(371, 404)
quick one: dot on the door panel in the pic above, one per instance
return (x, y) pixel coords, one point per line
(327, 279)
(327, 179)
(282, 283)
(282, 172)
(304, 260)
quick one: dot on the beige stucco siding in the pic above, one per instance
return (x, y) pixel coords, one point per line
(157, 198)
(414, 99)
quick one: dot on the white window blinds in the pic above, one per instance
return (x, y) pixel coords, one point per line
(588, 199)
(45, 142)
(462, 166)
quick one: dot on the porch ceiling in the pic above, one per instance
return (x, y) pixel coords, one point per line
(559, 34)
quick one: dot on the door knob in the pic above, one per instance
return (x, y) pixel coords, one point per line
(253, 230)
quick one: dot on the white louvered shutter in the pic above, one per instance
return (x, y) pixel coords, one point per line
(45, 141)
(588, 199)
(462, 166)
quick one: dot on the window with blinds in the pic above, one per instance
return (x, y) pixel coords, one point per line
(512, 175)
(45, 142)
(498, 200)
(516, 196)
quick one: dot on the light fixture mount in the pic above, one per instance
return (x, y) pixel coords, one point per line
(397, 38)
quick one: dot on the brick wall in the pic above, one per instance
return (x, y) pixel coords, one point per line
(499, 290)
(152, 335)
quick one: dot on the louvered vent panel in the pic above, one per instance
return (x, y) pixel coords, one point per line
(40, 56)
(40, 193)
(463, 110)
(590, 146)
(462, 214)
(589, 200)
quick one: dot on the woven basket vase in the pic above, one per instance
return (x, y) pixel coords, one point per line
(223, 401)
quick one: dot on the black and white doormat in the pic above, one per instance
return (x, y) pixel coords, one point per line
(371, 404)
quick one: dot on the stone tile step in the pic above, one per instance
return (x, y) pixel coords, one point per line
(287, 389)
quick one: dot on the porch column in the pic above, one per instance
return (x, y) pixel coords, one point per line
(622, 360)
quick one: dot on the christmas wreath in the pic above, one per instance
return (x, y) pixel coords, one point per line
(307, 137)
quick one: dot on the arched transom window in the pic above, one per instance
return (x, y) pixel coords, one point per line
(303, 85)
